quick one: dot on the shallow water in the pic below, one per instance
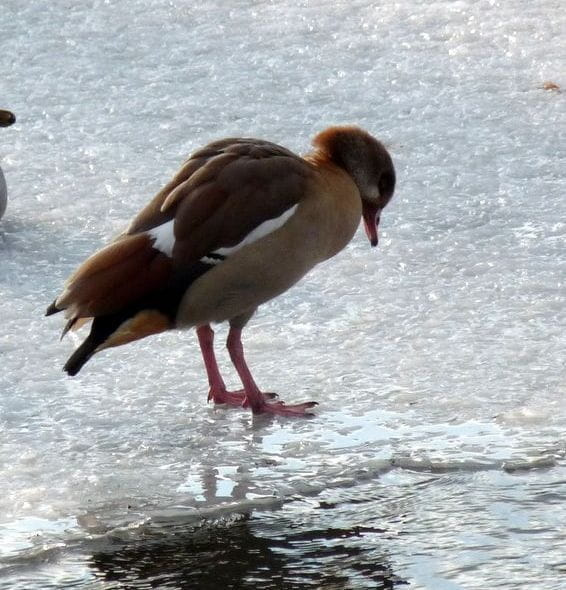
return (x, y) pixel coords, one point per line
(437, 456)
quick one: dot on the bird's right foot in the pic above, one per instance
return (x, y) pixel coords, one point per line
(280, 409)
(235, 398)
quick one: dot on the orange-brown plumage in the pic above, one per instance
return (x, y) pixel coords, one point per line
(115, 276)
(240, 223)
(144, 323)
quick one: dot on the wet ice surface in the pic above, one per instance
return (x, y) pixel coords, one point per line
(437, 454)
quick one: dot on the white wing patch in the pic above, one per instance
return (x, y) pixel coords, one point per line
(260, 231)
(210, 260)
(164, 237)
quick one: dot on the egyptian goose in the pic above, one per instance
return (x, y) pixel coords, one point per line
(6, 119)
(241, 222)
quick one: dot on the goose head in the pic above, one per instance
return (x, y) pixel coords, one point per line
(369, 164)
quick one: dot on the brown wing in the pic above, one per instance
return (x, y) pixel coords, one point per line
(113, 277)
(223, 192)
(219, 196)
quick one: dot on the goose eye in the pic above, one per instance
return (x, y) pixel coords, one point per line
(386, 185)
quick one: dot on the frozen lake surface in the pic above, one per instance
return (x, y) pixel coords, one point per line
(437, 457)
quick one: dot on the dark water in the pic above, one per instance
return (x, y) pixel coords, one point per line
(250, 555)
(304, 545)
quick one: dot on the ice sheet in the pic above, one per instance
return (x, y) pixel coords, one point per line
(442, 351)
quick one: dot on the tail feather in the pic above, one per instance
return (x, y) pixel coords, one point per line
(114, 330)
(69, 326)
(52, 309)
(149, 315)
(81, 356)
(130, 290)
(101, 329)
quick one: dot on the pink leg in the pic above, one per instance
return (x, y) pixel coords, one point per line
(254, 398)
(217, 389)
(216, 383)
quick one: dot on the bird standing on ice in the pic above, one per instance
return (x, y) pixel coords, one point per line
(241, 222)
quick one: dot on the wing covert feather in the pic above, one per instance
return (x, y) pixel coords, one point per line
(224, 191)
(245, 193)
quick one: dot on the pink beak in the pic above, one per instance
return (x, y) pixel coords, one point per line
(371, 214)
